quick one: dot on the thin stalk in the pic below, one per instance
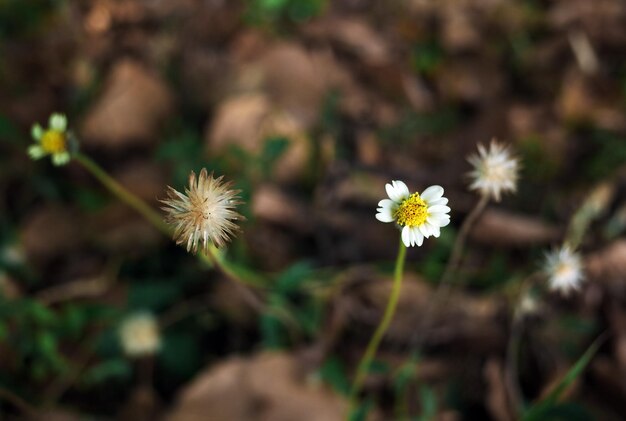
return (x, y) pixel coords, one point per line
(512, 365)
(373, 344)
(157, 221)
(459, 243)
(123, 194)
(453, 263)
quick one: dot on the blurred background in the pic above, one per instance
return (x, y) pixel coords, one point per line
(310, 107)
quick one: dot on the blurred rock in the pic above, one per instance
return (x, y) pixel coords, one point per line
(460, 29)
(468, 81)
(608, 264)
(131, 108)
(273, 205)
(581, 100)
(237, 389)
(502, 228)
(353, 35)
(248, 121)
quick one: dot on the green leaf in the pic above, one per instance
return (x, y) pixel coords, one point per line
(292, 277)
(41, 314)
(360, 413)
(272, 328)
(273, 148)
(537, 411)
(180, 354)
(428, 400)
(153, 295)
(333, 372)
(107, 370)
(562, 412)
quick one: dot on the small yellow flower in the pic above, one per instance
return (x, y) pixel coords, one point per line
(53, 141)
(139, 335)
(495, 170)
(205, 213)
(419, 216)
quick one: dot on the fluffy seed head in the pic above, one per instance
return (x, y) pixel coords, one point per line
(495, 170)
(205, 214)
(418, 215)
(139, 335)
(564, 269)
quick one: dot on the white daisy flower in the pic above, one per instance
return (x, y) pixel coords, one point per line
(139, 335)
(564, 269)
(419, 216)
(53, 141)
(495, 170)
(205, 213)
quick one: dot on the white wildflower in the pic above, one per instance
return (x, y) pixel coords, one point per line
(53, 141)
(139, 335)
(419, 216)
(564, 269)
(495, 171)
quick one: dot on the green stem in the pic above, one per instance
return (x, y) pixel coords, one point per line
(123, 194)
(212, 258)
(372, 347)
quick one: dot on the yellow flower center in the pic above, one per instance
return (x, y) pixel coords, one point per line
(412, 212)
(53, 142)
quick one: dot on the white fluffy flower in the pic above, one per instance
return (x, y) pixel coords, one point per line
(205, 214)
(495, 170)
(564, 269)
(419, 216)
(139, 335)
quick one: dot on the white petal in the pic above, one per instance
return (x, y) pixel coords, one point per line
(36, 152)
(432, 193)
(397, 191)
(413, 235)
(386, 204)
(420, 238)
(59, 159)
(58, 122)
(440, 201)
(406, 236)
(384, 215)
(438, 209)
(424, 229)
(36, 132)
(437, 218)
(435, 231)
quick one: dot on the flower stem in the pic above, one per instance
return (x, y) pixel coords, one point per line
(373, 344)
(156, 220)
(459, 243)
(455, 259)
(123, 194)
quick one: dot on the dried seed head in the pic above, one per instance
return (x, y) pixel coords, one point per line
(206, 214)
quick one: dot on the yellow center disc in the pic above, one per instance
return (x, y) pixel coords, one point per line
(412, 212)
(53, 142)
